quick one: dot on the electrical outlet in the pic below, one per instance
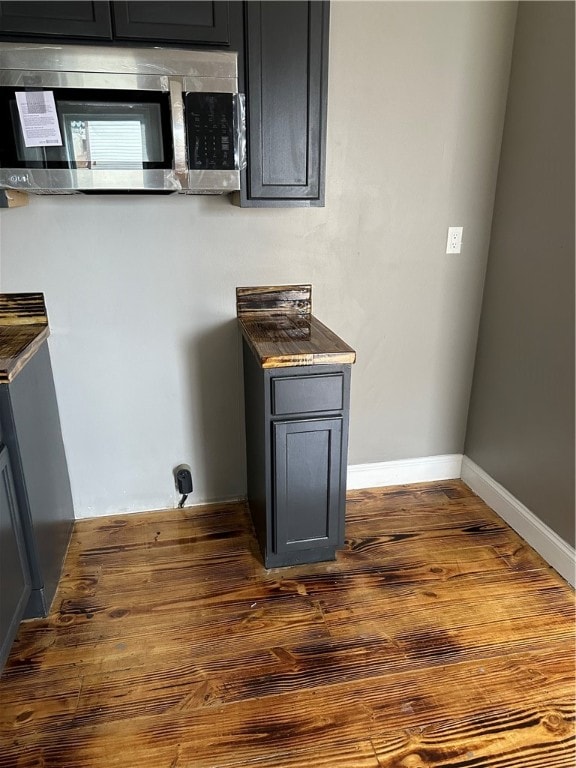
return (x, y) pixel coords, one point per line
(183, 479)
(454, 242)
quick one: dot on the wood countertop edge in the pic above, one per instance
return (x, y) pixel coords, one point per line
(333, 358)
(11, 367)
(23, 329)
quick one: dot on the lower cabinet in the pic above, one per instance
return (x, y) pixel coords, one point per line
(14, 571)
(296, 446)
(30, 427)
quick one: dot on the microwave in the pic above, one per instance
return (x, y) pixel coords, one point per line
(90, 119)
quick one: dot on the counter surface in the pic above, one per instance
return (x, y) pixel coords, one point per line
(23, 330)
(280, 330)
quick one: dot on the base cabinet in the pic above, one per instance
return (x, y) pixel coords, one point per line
(297, 444)
(14, 570)
(30, 427)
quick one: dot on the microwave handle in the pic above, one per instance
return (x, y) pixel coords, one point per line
(240, 127)
(178, 132)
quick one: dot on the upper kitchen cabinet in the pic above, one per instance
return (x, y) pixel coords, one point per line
(175, 22)
(82, 19)
(189, 23)
(286, 78)
(282, 67)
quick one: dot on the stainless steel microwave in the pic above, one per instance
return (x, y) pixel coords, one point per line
(96, 119)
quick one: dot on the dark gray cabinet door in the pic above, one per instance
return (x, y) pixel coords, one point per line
(286, 82)
(14, 574)
(182, 22)
(306, 470)
(73, 18)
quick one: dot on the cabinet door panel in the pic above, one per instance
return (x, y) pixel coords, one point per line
(71, 18)
(190, 22)
(286, 82)
(306, 483)
(14, 575)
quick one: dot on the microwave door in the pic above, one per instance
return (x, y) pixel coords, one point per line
(109, 141)
(116, 146)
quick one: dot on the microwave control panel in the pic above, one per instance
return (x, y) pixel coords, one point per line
(210, 129)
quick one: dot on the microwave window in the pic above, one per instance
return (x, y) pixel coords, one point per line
(102, 135)
(110, 143)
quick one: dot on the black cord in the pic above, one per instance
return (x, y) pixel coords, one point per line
(182, 501)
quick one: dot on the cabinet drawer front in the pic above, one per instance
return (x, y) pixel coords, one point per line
(307, 394)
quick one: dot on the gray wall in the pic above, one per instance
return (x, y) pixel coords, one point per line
(521, 424)
(140, 291)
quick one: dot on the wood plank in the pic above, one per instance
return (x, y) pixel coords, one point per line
(244, 732)
(22, 309)
(274, 300)
(526, 737)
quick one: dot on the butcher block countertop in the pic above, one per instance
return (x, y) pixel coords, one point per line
(23, 330)
(279, 327)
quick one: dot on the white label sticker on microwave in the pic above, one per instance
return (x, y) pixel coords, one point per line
(38, 118)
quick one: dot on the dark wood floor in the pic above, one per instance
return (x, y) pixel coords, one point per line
(438, 639)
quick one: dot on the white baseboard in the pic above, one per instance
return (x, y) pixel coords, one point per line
(543, 539)
(422, 470)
